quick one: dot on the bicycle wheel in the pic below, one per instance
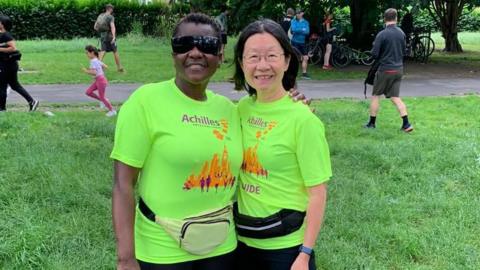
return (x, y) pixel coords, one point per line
(419, 52)
(428, 44)
(341, 57)
(366, 58)
(315, 53)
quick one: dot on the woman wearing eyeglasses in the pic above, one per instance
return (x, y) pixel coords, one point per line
(183, 144)
(286, 164)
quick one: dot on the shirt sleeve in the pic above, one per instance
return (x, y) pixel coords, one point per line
(132, 135)
(307, 29)
(313, 155)
(377, 44)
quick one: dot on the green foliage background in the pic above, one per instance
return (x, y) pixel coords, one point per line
(65, 19)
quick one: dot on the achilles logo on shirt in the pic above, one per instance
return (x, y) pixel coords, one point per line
(215, 175)
(251, 162)
(257, 122)
(199, 120)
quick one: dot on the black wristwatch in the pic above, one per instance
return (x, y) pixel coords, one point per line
(305, 250)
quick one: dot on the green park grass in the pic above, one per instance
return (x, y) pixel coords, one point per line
(396, 201)
(149, 60)
(470, 42)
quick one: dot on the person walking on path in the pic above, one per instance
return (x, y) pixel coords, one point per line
(300, 29)
(389, 50)
(105, 25)
(100, 83)
(9, 56)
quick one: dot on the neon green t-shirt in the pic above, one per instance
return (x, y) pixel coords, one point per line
(190, 155)
(285, 152)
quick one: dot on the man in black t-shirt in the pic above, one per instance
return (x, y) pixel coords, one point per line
(287, 20)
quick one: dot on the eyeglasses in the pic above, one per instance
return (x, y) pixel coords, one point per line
(206, 44)
(256, 58)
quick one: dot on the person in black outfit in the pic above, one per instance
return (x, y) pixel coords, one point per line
(9, 66)
(287, 20)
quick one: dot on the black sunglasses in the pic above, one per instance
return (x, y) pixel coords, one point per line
(209, 45)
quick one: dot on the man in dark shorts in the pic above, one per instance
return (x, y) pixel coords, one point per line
(105, 25)
(389, 50)
(300, 29)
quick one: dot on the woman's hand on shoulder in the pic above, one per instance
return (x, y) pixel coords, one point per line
(296, 95)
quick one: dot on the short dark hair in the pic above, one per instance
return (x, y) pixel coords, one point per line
(390, 15)
(6, 22)
(107, 6)
(91, 48)
(198, 18)
(274, 29)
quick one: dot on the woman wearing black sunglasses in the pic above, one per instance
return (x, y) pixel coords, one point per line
(183, 144)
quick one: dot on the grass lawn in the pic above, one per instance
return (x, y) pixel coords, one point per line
(149, 60)
(470, 42)
(396, 201)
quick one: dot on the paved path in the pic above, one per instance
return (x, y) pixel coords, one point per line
(312, 89)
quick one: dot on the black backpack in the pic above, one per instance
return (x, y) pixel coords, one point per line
(370, 79)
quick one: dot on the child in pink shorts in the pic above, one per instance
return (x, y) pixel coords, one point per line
(96, 69)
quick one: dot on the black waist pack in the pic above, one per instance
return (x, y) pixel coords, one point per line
(13, 56)
(281, 223)
(370, 79)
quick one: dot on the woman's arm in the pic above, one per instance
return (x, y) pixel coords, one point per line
(11, 47)
(315, 211)
(123, 213)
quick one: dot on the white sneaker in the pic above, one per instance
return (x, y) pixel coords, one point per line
(111, 113)
(102, 106)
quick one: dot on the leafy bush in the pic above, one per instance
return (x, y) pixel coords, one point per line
(65, 19)
(469, 21)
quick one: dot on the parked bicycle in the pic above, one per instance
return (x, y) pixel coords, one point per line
(343, 55)
(420, 45)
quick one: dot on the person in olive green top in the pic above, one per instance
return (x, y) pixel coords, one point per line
(105, 25)
(286, 161)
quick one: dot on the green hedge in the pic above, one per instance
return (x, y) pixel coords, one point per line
(65, 19)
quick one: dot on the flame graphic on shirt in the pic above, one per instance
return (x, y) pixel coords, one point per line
(251, 163)
(214, 173)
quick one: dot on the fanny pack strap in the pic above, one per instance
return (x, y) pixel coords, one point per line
(145, 210)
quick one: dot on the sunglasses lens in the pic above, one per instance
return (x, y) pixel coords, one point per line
(208, 45)
(182, 44)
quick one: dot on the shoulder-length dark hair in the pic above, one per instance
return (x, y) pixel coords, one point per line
(274, 29)
(6, 22)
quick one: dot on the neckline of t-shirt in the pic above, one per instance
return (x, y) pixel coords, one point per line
(188, 99)
(281, 100)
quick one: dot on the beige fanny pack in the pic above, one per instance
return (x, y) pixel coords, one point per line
(199, 234)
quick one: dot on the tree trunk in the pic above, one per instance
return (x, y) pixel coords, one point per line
(447, 13)
(363, 15)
